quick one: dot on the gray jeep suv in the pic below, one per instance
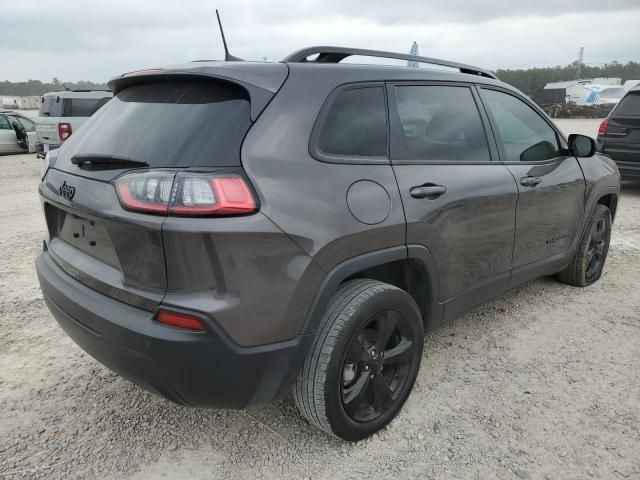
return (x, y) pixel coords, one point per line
(227, 233)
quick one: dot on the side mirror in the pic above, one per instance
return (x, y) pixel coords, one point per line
(581, 145)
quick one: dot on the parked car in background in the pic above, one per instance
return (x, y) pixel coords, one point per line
(619, 134)
(298, 226)
(61, 113)
(16, 130)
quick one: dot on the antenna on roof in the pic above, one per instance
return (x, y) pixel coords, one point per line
(227, 56)
(66, 88)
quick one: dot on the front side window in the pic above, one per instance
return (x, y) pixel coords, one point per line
(525, 136)
(355, 124)
(440, 123)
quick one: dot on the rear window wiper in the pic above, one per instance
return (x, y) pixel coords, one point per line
(105, 161)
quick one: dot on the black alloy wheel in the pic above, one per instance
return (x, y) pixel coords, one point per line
(377, 366)
(596, 252)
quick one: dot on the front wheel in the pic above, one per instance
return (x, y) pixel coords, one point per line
(588, 262)
(364, 361)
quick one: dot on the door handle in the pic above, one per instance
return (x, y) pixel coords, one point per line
(428, 191)
(530, 181)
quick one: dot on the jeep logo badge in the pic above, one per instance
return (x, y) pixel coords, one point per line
(67, 191)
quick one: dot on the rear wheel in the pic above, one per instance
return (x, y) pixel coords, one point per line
(364, 361)
(588, 262)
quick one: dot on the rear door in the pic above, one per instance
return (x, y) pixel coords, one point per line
(622, 136)
(550, 183)
(459, 202)
(170, 126)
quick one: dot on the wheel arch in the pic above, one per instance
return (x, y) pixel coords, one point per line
(411, 268)
(609, 200)
(608, 197)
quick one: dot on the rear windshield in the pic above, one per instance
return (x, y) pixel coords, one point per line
(169, 124)
(51, 106)
(629, 105)
(55, 106)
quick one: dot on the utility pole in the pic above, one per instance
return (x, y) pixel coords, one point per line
(579, 64)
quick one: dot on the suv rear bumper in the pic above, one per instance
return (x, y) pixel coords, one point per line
(203, 369)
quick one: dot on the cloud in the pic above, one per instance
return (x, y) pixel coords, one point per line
(95, 40)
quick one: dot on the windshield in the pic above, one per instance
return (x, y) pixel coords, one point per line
(171, 124)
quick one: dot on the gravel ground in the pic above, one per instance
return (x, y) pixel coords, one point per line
(542, 383)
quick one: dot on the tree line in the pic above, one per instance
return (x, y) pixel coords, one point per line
(528, 80)
(37, 88)
(533, 79)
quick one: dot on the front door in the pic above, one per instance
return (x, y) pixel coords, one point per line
(458, 203)
(550, 183)
(8, 139)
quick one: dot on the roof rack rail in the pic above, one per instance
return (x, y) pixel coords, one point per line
(337, 54)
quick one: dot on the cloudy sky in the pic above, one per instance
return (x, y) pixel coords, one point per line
(96, 39)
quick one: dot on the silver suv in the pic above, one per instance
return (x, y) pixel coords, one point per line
(61, 113)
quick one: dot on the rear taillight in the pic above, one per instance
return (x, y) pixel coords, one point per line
(147, 192)
(180, 320)
(602, 131)
(64, 131)
(185, 194)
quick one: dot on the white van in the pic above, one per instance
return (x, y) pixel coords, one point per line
(61, 113)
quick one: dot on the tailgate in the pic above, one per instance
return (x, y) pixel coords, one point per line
(95, 241)
(622, 141)
(47, 130)
(154, 127)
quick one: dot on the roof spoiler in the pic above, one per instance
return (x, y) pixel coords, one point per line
(337, 54)
(260, 94)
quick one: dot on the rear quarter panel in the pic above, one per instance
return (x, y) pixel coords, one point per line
(305, 197)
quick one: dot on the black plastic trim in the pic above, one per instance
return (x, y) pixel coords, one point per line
(350, 267)
(156, 356)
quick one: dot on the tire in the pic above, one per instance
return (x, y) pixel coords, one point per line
(588, 262)
(343, 387)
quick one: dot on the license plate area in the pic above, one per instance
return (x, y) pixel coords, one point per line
(85, 234)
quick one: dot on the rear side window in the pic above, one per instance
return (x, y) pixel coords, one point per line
(439, 123)
(525, 136)
(629, 105)
(82, 107)
(4, 123)
(171, 124)
(355, 124)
